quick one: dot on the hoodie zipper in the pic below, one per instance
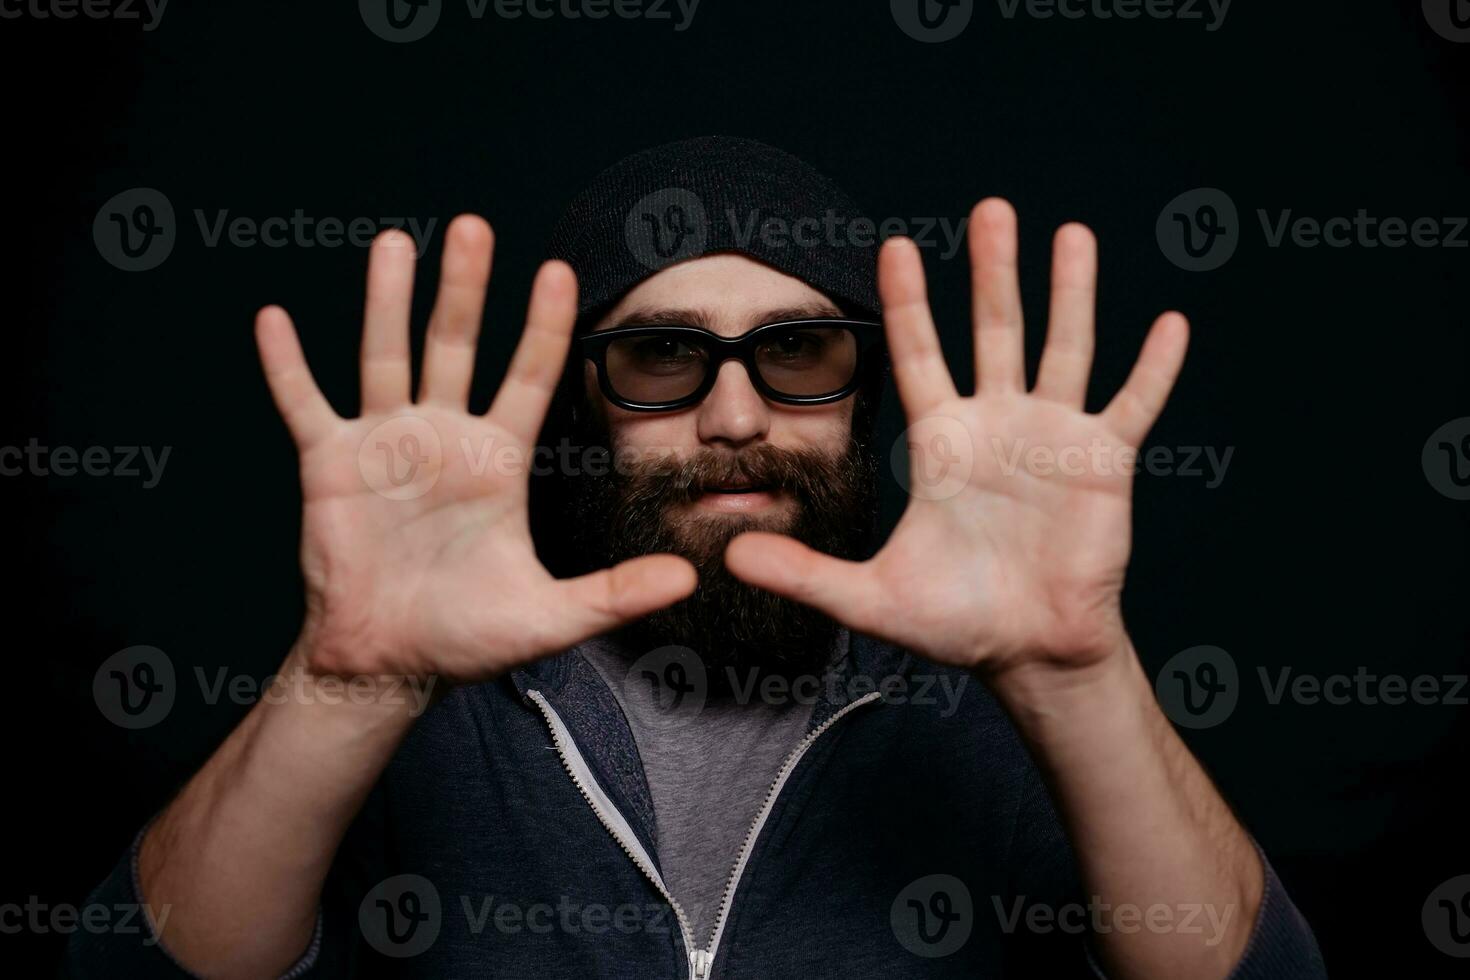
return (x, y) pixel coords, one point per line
(701, 961)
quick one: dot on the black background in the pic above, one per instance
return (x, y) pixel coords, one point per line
(1325, 548)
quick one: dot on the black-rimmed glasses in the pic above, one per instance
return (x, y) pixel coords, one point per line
(793, 362)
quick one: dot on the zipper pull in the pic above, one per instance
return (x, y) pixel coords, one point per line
(701, 961)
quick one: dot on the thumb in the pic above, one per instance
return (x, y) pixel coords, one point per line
(844, 590)
(604, 600)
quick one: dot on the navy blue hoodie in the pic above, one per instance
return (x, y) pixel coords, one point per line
(513, 835)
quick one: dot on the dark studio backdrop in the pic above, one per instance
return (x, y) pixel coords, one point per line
(1334, 541)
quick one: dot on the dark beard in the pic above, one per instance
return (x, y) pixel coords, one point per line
(732, 626)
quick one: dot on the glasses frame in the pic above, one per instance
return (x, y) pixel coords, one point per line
(718, 349)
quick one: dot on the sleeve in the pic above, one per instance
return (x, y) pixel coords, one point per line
(1044, 873)
(133, 949)
(1281, 943)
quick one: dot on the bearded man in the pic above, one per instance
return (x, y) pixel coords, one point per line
(726, 739)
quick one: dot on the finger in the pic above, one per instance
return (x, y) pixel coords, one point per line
(301, 403)
(385, 360)
(919, 370)
(612, 597)
(520, 405)
(454, 326)
(1134, 409)
(1066, 360)
(996, 295)
(844, 590)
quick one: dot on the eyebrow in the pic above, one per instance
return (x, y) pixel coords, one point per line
(650, 316)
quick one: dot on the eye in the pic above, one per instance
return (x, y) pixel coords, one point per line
(663, 354)
(796, 345)
(660, 348)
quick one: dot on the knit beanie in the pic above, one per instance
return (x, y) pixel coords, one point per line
(712, 194)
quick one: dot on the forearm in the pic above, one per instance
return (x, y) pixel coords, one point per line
(240, 856)
(1148, 826)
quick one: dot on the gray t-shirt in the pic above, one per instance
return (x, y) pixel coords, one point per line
(708, 771)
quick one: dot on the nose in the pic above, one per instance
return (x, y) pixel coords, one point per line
(733, 414)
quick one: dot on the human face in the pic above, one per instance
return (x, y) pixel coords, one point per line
(727, 294)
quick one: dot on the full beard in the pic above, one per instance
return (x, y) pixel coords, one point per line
(644, 507)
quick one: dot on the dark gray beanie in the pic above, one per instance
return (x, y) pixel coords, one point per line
(716, 194)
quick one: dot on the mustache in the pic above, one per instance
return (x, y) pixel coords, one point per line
(805, 473)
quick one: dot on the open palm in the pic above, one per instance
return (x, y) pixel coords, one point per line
(416, 546)
(1014, 545)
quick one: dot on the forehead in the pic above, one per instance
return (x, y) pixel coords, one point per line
(726, 293)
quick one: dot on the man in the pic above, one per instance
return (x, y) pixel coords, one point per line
(564, 811)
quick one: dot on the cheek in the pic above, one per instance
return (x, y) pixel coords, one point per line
(652, 435)
(826, 427)
(644, 434)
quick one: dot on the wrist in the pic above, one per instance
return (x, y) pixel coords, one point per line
(1050, 701)
(354, 703)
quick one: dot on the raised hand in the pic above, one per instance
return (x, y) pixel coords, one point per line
(1016, 553)
(415, 545)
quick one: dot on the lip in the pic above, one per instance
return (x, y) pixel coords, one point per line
(737, 501)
